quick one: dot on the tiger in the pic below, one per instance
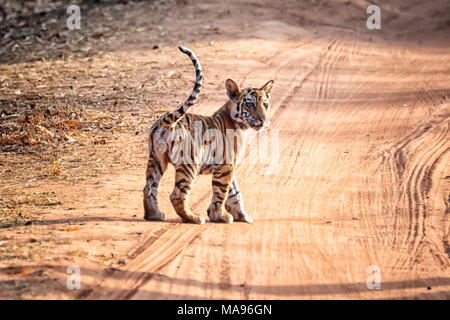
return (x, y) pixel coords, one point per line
(245, 109)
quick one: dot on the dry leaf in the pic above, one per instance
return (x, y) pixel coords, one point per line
(24, 271)
(56, 170)
(70, 229)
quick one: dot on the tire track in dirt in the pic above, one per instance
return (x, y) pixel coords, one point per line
(156, 255)
(416, 163)
(328, 55)
(416, 167)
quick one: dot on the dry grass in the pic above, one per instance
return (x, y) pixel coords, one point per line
(35, 30)
(65, 108)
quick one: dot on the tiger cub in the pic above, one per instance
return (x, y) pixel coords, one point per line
(246, 108)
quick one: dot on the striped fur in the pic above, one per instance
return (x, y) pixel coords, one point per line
(246, 108)
(171, 118)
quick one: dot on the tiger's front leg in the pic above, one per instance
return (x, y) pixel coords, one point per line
(184, 178)
(235, 204)
(222, 177)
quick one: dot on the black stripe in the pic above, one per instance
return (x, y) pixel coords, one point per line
(186, 171)
(179, 182)
(220, 185)
(223, 174)
(151, 138)
(158, 166)
(233, 195)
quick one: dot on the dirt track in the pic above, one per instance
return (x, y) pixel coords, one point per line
(363, 179)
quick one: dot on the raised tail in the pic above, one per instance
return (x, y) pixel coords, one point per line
(171, 118)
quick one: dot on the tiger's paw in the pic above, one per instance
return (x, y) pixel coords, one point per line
(199, 220)
(245, 218)
(158, 216)
(195, 219)
(226, 218)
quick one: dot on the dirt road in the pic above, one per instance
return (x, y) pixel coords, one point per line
(362, 180)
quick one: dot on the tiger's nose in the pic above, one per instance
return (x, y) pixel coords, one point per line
(262, 121)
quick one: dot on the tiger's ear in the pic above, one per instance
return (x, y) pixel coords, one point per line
(267, 87)
(233, 90)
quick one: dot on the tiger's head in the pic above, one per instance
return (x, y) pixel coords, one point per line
(250, 106)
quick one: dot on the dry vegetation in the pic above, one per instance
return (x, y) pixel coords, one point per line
(65, 99)
(36, 29)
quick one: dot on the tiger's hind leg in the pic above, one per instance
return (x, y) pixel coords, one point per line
(221, 181)
(235, 204)
(155, 170)
(184, 179)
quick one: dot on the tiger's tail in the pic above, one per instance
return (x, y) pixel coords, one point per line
(171, 118)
